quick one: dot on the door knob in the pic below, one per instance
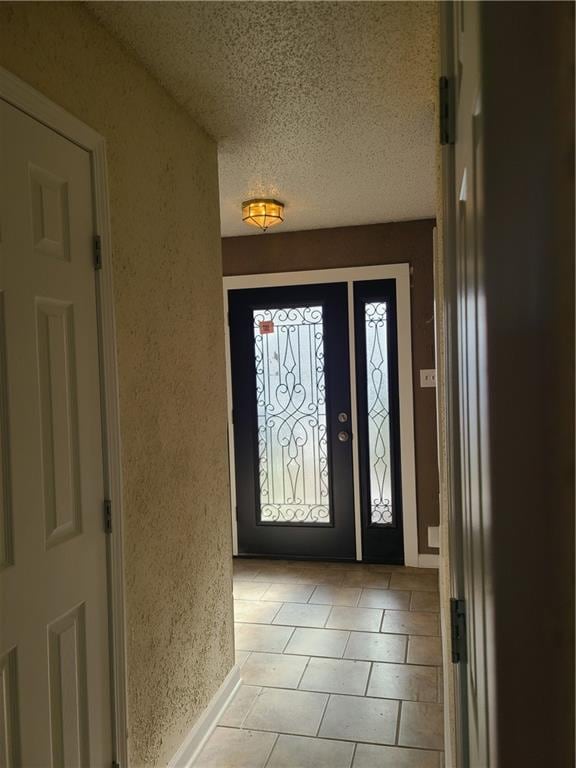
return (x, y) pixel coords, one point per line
(343, 437)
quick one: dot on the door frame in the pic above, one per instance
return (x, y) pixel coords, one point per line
(400, 273)
(22, 96)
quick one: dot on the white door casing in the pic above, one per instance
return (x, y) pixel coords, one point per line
(64, 185)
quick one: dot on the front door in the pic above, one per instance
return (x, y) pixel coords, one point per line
(54, 644)
(294, 441)
(290, 369)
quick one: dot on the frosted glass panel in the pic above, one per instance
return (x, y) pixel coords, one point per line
(291, 412)
(378, 413)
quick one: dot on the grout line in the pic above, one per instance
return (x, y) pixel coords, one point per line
(303, 673)
(328, 697)
(241, 726)
(368, 678)
(271, 750)
(397, 735)
(331, 738)
(331, 693)
(287, 642)
(353, 754)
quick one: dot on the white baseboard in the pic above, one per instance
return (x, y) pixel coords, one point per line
(428, 561)
(208, 720)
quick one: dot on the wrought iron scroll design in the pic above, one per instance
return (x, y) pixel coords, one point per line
(378, 402)
(291, 415)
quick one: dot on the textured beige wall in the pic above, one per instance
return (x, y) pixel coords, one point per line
(167, 274)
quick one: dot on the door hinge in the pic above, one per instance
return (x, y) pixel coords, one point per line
(411, 276)
(107, 516)
(115, 764)
(236, 512)
(446, 106)
(458, 630)
(97, 251)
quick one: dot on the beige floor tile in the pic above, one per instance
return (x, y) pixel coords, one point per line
(331, 595)
(233, 748)
(302, 615)
(274, 576)
(385, 598)
(372, 646)
(411, 622)
(318, 642)
(425, 601)
(288, 593)
(372, 756)
(424, 582)
(403, 681)
(273, 669)
(241, 656)
(241, 576)
(298, 712)
(424, 650)
(261, 637)
(369, 567)
(238, 708)
(249, 590)
(421, 725)
(356, 718)
(366, 579)
(361, 619)
(336, 676)
(333, 577)
(304, 752)
(255, 611)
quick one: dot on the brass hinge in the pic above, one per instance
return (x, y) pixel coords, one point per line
(107, 516)
(97, 251)
(458, 630)
(447, 110)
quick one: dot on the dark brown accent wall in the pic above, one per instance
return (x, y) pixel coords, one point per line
(397, 243)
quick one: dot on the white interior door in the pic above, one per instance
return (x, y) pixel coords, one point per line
(54, 643)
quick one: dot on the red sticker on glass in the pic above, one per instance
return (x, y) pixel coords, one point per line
(266, 326)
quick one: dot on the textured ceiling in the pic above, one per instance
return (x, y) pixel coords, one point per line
(328, 106)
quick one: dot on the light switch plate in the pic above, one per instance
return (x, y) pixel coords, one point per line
(428, 377)
(434, 536)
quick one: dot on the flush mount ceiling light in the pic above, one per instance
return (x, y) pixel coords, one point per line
(263, 213)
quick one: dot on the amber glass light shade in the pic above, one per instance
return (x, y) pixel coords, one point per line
(263, 213)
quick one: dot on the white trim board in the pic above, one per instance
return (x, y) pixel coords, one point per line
(401, 274)
(22, 96)
(200, 732)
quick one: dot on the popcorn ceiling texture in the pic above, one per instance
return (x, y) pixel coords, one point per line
(328, 106)
(168, 296)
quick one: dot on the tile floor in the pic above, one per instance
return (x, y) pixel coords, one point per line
(340, 667)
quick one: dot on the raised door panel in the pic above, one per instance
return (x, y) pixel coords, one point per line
(9, 713)
(49, 213)
(59, 420)
(68, 690)
(6, 522)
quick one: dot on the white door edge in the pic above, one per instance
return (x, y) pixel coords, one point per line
(401, 274)
(22, 96)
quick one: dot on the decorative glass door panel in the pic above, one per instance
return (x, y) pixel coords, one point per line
(291, 415)
(293, 457)
(378, 420)
(378, 406)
